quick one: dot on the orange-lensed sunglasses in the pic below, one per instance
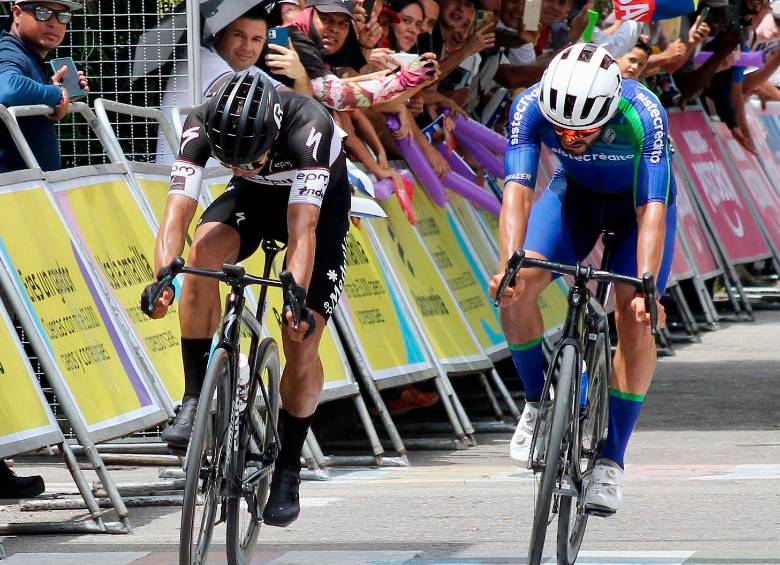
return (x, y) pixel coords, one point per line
(574, 134)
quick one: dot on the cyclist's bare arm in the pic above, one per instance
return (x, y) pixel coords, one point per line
(651, 219)
(512, 226)
(177, 216)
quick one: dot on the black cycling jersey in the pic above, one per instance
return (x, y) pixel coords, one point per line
(307, 166)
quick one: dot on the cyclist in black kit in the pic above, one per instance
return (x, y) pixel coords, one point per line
(290, 185)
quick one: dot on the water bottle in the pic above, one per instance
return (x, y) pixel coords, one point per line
(243, 381)
(584, 385)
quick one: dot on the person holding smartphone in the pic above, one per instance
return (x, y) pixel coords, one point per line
(37, 28)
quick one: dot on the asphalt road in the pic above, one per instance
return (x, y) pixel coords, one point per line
(702, 483)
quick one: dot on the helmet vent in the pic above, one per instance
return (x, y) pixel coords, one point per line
(554, 99)
(586, 54)
(604, 109)
(588, 107)
(606, 62)
(568, 107)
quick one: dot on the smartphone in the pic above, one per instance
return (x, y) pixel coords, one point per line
(704, 15)
(279, 36)
(70, 79)
(368, 6)
(482, 17)
(424, 43)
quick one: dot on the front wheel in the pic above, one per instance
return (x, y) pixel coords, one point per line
(205, 458)
(558, 421)
(257, 451)
(572, 519)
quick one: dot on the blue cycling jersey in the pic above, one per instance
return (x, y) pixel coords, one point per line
(632, 153)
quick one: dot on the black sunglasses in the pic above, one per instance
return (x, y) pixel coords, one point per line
(44, 14)
(248, 167)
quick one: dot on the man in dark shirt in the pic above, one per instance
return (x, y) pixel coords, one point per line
(36, 29)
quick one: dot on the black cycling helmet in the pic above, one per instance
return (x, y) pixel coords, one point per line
(243, 119)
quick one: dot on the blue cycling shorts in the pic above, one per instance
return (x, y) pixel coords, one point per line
(567, 221)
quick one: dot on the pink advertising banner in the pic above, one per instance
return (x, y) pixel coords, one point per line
(724, 206)
(681, 267)
(690, 228)
(759, 189)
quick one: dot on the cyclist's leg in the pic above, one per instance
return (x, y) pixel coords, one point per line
(633, 367)
(222, 236)
(635, 357)
(560, 227)
(302, 378)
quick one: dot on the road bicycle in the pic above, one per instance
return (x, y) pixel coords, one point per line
(235, 441)
(573, 413)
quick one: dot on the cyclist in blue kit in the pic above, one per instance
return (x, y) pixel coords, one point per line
(611, 137)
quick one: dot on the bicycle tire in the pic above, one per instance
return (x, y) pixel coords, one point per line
(557, 428)
(572, 519)
(206, 448)
(242, 538)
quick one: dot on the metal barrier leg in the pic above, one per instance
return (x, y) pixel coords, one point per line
(685, 312)
(108, 484)
(81, 483)
(368, 426)
(502, 390)
(491, 397)
(460, 411)
(314, 449)
(446, 400)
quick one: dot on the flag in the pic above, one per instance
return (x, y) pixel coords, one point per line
(652, 10)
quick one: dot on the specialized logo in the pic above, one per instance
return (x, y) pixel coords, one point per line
(314, 141)
(240, 217)
(189, 134)
(278, 114)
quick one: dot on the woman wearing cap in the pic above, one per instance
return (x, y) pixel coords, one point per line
(325, 38)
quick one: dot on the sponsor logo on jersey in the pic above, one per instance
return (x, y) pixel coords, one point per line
(189, 134)
(589, 158)
(659, 132)
(314, 141)
(519, 177)
(609, 136)
(281, 165)
(522, 105)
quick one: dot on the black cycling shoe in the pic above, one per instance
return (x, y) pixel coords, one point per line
(12, 486)
(177, 435)
(283, 506)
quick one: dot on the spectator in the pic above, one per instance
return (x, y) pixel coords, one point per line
(325, 37)
(633, 63)
(431, 15)
(235, 48)
(289, 10)
(12, 486)
(36, 29)
(403, 33)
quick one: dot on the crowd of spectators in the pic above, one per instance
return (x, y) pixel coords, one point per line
(477, 54)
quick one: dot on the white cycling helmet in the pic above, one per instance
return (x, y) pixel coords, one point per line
(581, 87)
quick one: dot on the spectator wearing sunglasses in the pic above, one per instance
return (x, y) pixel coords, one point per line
(36, 29)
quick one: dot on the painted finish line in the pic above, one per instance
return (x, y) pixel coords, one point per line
(477, 473)
(344, 558)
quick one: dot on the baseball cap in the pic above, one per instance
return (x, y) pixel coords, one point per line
(332, 6)
(288, 2)
(391, 15)
(67, 3)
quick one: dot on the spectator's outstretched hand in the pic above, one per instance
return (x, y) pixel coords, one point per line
(699, 32)
(483, 38)
(744, 140)
(416, 105)
(285, 61)
(62, 108)
(84, 81)
(382, 58)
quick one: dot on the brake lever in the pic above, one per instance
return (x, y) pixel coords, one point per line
(513, 266)
(165, 277)
(649, 290)
(290, 299)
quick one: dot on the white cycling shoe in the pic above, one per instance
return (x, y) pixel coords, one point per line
(520, 445)
(604, 494)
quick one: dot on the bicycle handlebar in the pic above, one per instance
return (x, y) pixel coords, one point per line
(645, 285)
(233, 275)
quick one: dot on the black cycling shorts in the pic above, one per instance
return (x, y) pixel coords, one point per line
(259, 212)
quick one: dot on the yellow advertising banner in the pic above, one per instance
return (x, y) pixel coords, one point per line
(23, 412)
(467, 281)
(475, 233)
(388, 342)
(107, 219)
(333, 363)
(68, 310)
(427, 291)
(155, 190)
